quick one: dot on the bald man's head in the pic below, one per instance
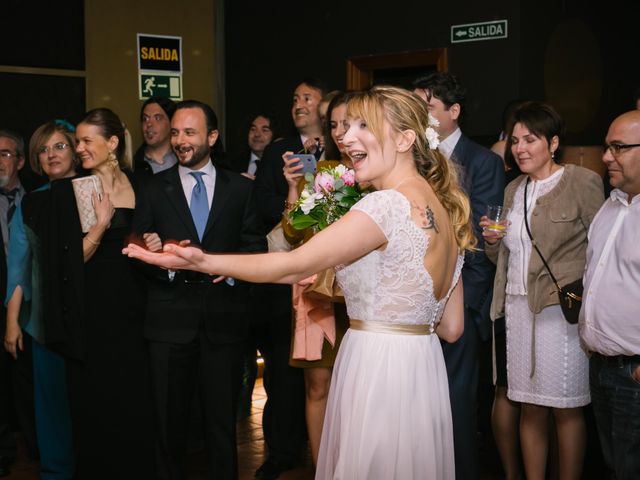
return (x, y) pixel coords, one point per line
(622, 157)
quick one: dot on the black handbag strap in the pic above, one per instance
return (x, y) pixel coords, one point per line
(533, 242)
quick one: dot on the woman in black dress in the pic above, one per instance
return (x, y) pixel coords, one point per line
(99, 299)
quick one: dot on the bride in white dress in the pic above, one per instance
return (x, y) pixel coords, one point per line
(398, 254)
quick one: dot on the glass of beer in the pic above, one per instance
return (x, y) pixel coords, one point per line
(497, 215)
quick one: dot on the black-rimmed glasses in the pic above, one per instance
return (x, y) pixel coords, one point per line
(59, 147)
(616, 148)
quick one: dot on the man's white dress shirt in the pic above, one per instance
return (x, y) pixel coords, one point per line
(610, 315)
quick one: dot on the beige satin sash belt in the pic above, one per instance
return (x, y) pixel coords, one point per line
(393, 328)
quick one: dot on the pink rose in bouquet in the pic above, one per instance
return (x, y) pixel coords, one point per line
(349, 178)
(325, 198)
(323, 182)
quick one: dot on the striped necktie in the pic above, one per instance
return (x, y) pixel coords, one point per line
(11, 200)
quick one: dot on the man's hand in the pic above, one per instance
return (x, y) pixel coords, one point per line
(152, 242)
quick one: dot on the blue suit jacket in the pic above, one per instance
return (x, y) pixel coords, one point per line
(482, 177)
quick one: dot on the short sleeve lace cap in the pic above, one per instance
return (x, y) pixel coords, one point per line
(380, 207)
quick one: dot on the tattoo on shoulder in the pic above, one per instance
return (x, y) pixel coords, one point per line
(429, 220)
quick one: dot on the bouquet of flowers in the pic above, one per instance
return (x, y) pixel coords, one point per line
(326, 197)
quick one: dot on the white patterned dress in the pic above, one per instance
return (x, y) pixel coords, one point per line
(388, 414)
(545, 364)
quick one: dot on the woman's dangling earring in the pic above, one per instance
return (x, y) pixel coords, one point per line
(113, 163)
(553, 156)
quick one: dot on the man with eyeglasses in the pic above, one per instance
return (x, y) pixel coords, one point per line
(11, 192)
(11, 161)
(609, 319)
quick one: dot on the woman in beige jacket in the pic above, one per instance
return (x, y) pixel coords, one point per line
(547, 369)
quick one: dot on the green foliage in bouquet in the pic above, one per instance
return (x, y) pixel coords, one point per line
(326, 197)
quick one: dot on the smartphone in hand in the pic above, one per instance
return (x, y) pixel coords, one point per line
(309, 163)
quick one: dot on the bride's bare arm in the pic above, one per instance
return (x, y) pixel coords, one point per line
(348, 239)
(451, 324)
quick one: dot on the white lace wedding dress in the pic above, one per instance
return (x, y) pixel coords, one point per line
(388, 414)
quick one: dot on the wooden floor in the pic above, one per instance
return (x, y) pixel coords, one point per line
(251, 447)
(251, 452)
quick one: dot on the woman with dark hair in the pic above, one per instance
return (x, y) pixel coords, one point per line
(334, 128)
(500, 147)
(97, 302)
(52, 153)
(546, 368)
(319, 324)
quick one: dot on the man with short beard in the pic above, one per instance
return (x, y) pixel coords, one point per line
(196, 324)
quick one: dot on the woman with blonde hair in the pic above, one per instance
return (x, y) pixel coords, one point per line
(398, 254)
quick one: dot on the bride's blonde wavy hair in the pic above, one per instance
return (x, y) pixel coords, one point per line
(406, 111)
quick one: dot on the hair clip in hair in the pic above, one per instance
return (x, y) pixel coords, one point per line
(65, 124)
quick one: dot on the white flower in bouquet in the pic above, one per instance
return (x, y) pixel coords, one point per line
(308, 202)
(340, 170)
(326, 197)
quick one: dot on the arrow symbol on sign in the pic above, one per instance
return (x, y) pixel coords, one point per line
(461, 33)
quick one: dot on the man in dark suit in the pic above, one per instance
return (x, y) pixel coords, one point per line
(155, 154)
(283, 420)
(271, 186)
(481, 174)
(196, 324)
(261, 133)
(16, 377)
(262, 128)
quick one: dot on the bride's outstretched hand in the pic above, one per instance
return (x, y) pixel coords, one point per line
(172, 256)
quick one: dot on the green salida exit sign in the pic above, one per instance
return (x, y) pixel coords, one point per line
(475, 32)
